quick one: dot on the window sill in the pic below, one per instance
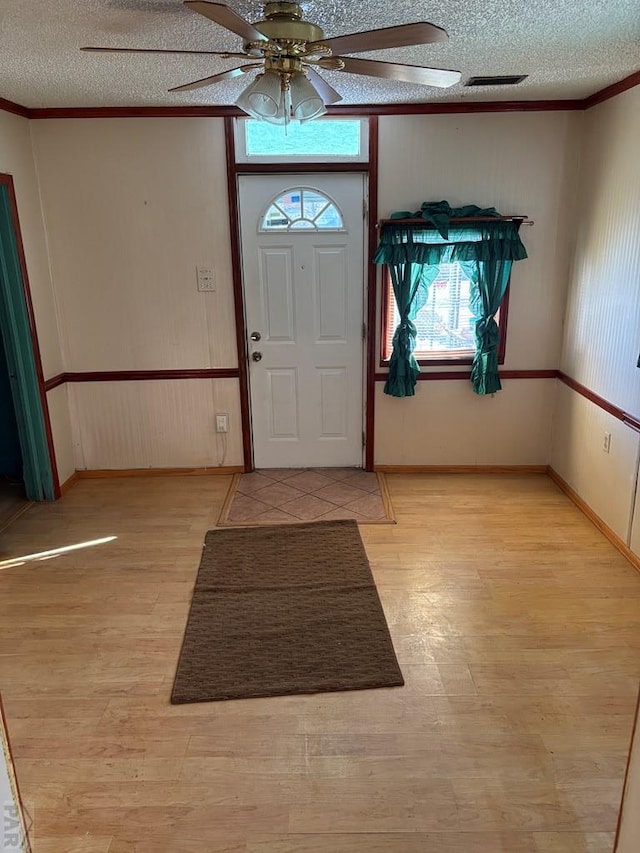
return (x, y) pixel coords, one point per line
(462, 361)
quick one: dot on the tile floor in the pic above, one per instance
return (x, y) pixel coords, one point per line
(280, 495)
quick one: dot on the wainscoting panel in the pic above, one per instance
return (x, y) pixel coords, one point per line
(634, 542)
(57, 400)
(604, 481)
(447, 424)
(155, 424)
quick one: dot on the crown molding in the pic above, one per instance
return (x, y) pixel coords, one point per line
(16, 109)
(134, 112)
(348, 110)
(613, 90)
(458, 107)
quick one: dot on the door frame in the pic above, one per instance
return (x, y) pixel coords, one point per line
(32, 398)
(370, 169)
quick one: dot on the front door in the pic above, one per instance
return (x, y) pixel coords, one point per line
(303, 272)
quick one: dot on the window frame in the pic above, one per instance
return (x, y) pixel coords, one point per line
(439, 360)
(243, 158)
(291, 230)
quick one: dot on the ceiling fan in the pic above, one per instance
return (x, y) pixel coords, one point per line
(287, 51)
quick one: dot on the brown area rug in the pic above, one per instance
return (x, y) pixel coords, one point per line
(284, 610)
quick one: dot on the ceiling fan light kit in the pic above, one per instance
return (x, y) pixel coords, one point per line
(287, 85)
(306, 103)
(262, 96)
(277, 98)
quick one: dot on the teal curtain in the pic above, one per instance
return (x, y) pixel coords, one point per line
(487, 294)
(413, 253)
(410, 288)
(14, 321)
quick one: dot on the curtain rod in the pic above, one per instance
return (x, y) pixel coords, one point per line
(522, 219)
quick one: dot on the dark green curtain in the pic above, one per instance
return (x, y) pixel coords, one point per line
(410, 288)
(490, 287)
(486, 250)
(14, 319)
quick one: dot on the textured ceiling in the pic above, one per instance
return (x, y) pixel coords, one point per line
(569, 49)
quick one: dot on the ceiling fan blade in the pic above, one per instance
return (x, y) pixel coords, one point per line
(403, 73)
(226, 17)
(406, 34)
(224, 53)
(217, 78)
(326, 92)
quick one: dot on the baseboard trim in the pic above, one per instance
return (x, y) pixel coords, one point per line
(106, 473)
(461, 469)
(594, 518)
(68, 483)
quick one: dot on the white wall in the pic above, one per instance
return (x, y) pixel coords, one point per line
(629, 831)
(602, 334)
(131, 207)
(518, 163)
(16, 159)
(602, 340)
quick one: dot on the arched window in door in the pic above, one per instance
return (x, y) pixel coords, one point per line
(302, 208)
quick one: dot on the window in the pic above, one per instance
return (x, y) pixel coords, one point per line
(302, 208)
(320, 141)
(444, 324)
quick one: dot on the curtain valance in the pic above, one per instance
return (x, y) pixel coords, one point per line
(401, 243)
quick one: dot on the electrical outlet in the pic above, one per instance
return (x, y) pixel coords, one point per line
(606, 443)
(222, 423)
(206, 281)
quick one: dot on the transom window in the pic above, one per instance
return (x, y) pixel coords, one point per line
(324, 140)
(302, 208)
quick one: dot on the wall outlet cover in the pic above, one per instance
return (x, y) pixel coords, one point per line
(206, 280)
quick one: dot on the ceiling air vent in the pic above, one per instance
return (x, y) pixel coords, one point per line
(508, 80)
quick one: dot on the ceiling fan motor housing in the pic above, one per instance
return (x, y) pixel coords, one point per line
(283, 21)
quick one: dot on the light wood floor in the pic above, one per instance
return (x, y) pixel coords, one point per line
(516, 623)
(12, 501)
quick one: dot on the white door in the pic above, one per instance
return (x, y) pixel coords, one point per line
(303, 271)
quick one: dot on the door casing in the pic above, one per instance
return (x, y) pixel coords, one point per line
(370, 169)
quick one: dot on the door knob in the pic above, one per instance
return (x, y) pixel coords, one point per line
(255, 336)
(256, 356)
